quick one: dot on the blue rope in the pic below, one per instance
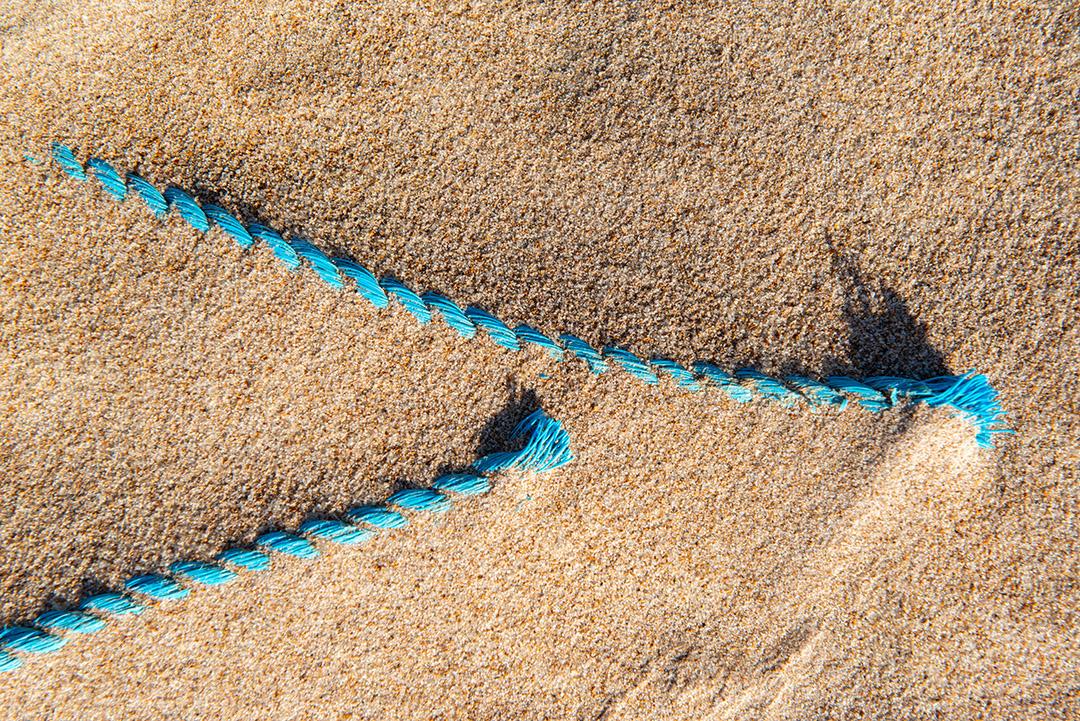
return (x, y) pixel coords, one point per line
(30, 640)
(319, 261)
(725, 382)
(161, 588)
(75, 621)
(206, 574)
(683, 378)
(409, 300)
(585, 352)
(227, 222)
(420, 499)
(187, 207)
(528, 334)
(246, 559)
(329, 530)
(108, 177)
(969, 395)
(280, 248)
(377, 516)
(546, 445)
(287, 543)
(631, 364)
(451, 312)
(150, 195)
(499, 331)
(816, 392)
(366, 283)
(113, 603)
(9, 662)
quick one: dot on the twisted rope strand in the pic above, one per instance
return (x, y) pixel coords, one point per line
(969, 395)
(546, 446)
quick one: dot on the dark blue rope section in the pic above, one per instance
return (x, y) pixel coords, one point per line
(545, 446)
(969, 395)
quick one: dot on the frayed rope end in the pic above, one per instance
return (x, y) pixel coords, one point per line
(547, 447)
(972, 397)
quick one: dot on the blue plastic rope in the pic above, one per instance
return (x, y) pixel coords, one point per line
(336, 531)
(366, 283)
(528, 334)
(683, 378)
(9, 662)
(546, 446)
(288, 544)
(631, 364)
(768, 387)
(499, 331)
(320, 262)
(206, 574)
(728, 384)
(30, 640)
(816, 392)
(409, 300)
(420, 499)
(108, 177)
(150, 195)
(867, 397)
(228, 222)
(377, 516)
(113, 603)
(74, 621)
(970, 395)
(451, 312)
(187, 207)
(585, 352)
(246, 559)
(66, 160)
(280, 248)
(465, 484)
(158, 587)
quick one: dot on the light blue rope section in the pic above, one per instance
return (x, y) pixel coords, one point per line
(150, 195)
(528, 334)
(499, 331)
(366, 283)
(969, 395)
(246, 559)
(728, 384)
(206, 574)
(409, 300)
(319, 261)
(377, 517)
(187, 207)
(108, 177)
(157, 587)
(115, 604)
(228, 222)
(451, 312)
(585, 352)
(816, 392)
(30, 640)
(74, 621)
(545, 445)
(682, 377)
(631, 364)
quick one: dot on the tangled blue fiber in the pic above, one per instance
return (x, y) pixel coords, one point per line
(969, 395)
(545, 445)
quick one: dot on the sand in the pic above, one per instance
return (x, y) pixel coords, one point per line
(805, 189)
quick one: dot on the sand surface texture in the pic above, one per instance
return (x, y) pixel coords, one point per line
(860, 189)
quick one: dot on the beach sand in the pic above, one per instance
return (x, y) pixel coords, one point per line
(812, 189)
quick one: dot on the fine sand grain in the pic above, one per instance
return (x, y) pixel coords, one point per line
(810, 189)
